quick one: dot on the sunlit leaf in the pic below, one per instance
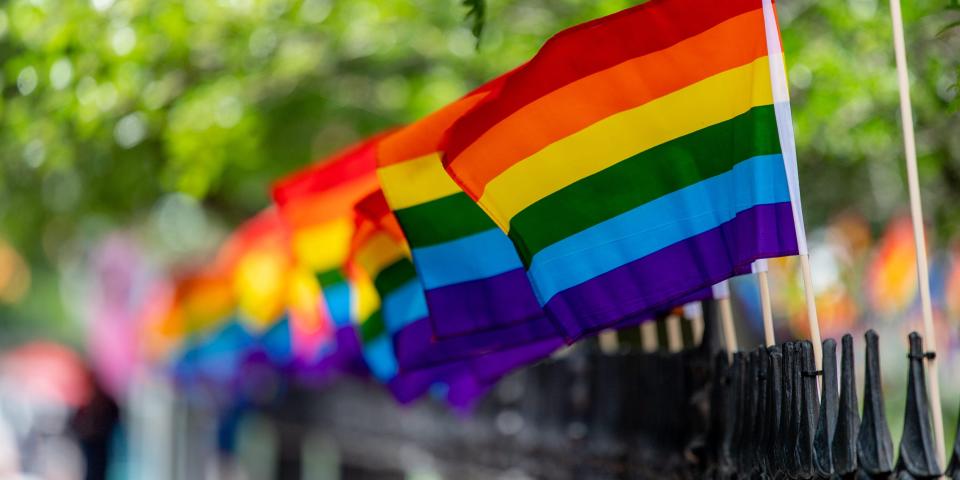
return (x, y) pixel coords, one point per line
(476, 15)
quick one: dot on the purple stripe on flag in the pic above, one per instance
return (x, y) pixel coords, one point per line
(485, 304)
(487, 370)
(669, 275)
(416, 348)
(409, 386)
(469, 380)
(635, 320)
(345, 357)
(490, 368)
(465, 392)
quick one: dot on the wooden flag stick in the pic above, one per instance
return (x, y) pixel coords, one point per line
(726, 319)
(674, 333)
(812, 311)
(721, 292)
(609, 342)
(916, 213)
(766, 308)
(648, 336)
(694, 312)
(781, 105)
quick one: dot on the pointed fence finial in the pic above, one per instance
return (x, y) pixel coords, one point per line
(748, 441)
(718, 408)
(793, 370)
(743, 391)
(784, 444)
(918, 453)
(874, 446)
(732, 410)
(760, 412)
(773, 410)
(848, 415)
(809, 406)
(827, 417)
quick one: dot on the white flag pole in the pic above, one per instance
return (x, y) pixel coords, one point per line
(916, 213)
(674, 333)
(694, 313)
(781, 106)
(766, 306)
(812, 311)
(721, 292)
(648, 336)
(609, 342)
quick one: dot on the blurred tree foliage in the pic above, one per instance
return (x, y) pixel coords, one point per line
(846, 108)
(109, 105)
(119, 112)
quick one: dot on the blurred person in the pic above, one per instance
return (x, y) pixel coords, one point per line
(229, 422)
(9, 454)
(94, 425)
(56, 457)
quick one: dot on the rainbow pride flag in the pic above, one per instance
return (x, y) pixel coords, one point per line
(639, 157)
(259, 260)
(385, 257)
(199, 303)
(316, 204)
(251, 301)
(202, 298)
(397, 338)
(375, 338)
(473, 279)
(276, 299)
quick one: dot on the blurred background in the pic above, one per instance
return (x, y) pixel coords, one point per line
(134, 134)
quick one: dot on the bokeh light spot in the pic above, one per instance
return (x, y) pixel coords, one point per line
(61, 73)
(27, 81)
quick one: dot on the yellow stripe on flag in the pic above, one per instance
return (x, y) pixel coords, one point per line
(379, 252)
(324, 246)
(415, 182)
(620, 136)
(367, 299)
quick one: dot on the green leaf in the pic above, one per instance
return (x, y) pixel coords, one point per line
(948, 27)
(476, 14)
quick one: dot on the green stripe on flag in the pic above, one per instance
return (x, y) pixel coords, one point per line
(442, 220)
(643, 177)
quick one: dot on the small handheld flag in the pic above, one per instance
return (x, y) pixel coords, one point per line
(638, 158)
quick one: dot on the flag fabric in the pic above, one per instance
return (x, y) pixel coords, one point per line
(214, 358)
(891, 279)
(197, 304)
(638, 158)
(310, 322)
(473, 279)
(259, 263)
(202, 299)
(376, 341)
(397, 339)
(236, 307)
(385, 258)
(276, 299)
(316, 205)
